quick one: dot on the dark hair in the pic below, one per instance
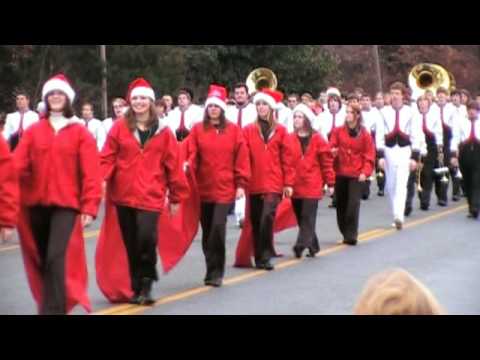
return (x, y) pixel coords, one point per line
(188, 92)
(132, 121)
(357, 109)
(87, 103)
(21, 92)
(334, 98)
(3, 118)
(223, 120)
(67, 110)
(472, 105)
(399, 86)
(366, 95)
(161, 102)
(466, 93)
(456, 93)
(307, 123)
(241, 86)
(118, 99)
(352, 96)
(296, 96)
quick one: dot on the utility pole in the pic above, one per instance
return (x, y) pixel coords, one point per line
(376, 56)
(103, 56)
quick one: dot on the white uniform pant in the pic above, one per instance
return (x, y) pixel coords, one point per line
(397, 172)
(240, 209)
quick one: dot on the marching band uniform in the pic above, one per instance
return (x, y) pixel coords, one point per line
(356, 156)
(466, 145)
(15, 126)
(433, 130)
(242, 116)
(9, 190)
(96, 128)
(398, 139)
(314, 169)
(219, 158)
(327, 122)
(272, 170)
(60, 179)
(141, 167)
(182, 122)
(370, 119)
(449, 119)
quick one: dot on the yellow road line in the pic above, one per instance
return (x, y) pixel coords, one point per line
(363, 238)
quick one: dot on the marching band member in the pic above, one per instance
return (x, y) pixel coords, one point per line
(398, 144)
(161, 109)
(446, 112)
(379, 101)
(465, 98)
(293, 101)
(9, 193)
(16, 123)
(59, 170)
(182, 119)
(432, 128)
(119, 108)
(331, 119)
(370, 117)
(242, 114)
(314, 161)
(218, 155)
(141, 165)
(460, 110)
(168, 102)
(466, 154)
(354, 152)
(93, 125)
(273, 173)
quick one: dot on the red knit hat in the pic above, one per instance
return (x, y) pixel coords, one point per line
(217, 95)
(58, 83)
(140, 87)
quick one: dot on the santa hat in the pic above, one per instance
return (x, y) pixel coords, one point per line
(140, 87)
(334, 92)
(305, 110)
(58, 83)
(217, 95)
(271, 97)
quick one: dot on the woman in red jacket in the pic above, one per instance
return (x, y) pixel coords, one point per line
(218, 156)
(140, 162)
(273, 173)
(314, 161)
(354, 153)
(60, 182)
(9, 196)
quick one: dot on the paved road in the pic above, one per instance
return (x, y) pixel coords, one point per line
(441, 248)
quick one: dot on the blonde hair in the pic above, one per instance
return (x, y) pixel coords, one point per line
(396, 292)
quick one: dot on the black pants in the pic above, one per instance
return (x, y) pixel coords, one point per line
(214, 228)
(349, 192)
(411, 189)
(366, 190)
(470, 168)
(52, 229)
(306, 214)
(263, 209)
(429, 178)
(139, 233)
(381, 180)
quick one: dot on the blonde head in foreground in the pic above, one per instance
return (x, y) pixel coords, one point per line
(396, 292)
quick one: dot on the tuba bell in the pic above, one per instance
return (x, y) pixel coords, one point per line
(424, 77)
(261, 78)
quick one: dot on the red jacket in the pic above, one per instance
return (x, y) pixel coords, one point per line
(314, 169)
(139, 178)
(9, 192)
(60, 169)
(272, 163)
(356, 156)
(220, 161)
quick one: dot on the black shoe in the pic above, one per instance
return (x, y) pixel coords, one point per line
(473, 215)
(298, 252)
(365, 197)
(312, 253)
(145, 298)
(424, 207)
(241, 224)
(216, 283)
(267, 266)
(442, 203)
(408, 211)
(398, 225)
(456, 198)
(135, 300)
(350, 242)
(381, 193)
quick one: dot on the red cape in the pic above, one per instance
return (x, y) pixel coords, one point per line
(175, 236)
(284, 219)
(76, 274)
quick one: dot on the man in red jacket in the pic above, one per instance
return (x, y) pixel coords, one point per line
(354, 150)
(219, 158)
(273, 173)
(9, 195)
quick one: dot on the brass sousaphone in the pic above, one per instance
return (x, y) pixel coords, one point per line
(425, 76)
(261, 78)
